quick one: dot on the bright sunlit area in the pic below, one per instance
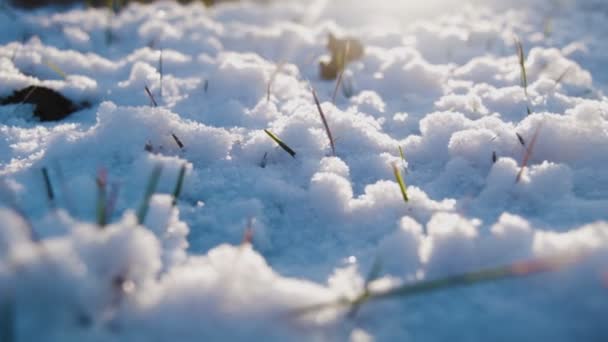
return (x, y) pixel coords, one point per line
(293, 170)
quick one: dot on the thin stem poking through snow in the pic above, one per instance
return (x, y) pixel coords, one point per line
(524, 75)
(48, 186)
(178, 185)
(161, 72)
(150, 96)
(102, 197)
(401, 182)
(177, 141)
(324, 120)
(150, 189)
(528, 153)
(281, 143)
(518, 269)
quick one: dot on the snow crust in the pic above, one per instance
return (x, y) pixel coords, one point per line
(442, 82)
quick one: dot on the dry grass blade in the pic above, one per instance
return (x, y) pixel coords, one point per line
(399, 179)
(150, 96)
(179, 184)
(150, 189)
(561, 77)
(528, 153)
(25, 98)
(56, 69)
(342, 67)
(338, 84)
(324, 120)
(522, 65)
(161, 73)
(248, 234)
(281, 143)
(524, 75)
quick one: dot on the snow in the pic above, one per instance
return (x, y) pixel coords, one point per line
(441, 81)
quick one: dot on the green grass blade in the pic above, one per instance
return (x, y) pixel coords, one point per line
(519, 269)
(401, 153)
(401, 183)
(150, 189)
(281, 143)
(516, 270)
(373, 274)
(178, 185)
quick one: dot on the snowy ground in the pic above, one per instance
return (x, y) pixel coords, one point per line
(442, 81)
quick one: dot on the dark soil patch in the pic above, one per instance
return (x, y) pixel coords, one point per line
(50, 105)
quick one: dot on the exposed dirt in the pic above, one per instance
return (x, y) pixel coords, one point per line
(50, 105)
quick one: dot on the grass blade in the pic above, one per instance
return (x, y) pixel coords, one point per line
(341, 67)
(112, 200)
(50, 194)
(177, 141)
(522, 65)
(324, 120)
(150, 96)
(401, 183)
(150, 189)
(161, 72)
(281, 143)
(101, 181)
(264, 160)
(373, 274)
(524, 75)
(528, 153)
(248, 233)
(518, 269)
(338, 84)
(178, 185)
(56, 69)
(561, 77)
(521, 139)
(401, 153)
